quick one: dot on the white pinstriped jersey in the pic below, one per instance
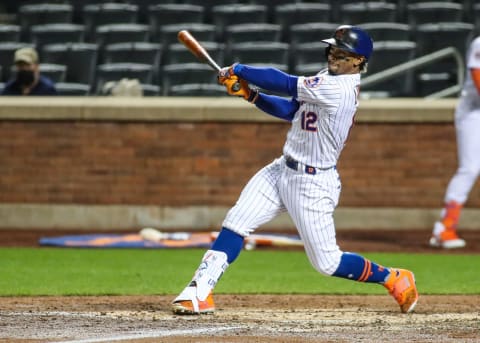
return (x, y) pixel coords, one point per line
(318, 133)
(321, 125)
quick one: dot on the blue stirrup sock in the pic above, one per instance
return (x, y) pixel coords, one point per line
(231, 243)
(358, 268)
(352, 266)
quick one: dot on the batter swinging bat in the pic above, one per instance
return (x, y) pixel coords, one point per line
(199, 51)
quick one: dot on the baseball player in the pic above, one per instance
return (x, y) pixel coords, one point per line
(467, 121)
(303, 181)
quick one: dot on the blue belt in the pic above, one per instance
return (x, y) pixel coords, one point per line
(295, 165)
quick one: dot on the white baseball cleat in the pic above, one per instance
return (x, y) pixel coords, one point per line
(447, 239)
(189, 303)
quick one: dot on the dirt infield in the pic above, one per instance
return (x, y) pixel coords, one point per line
(248, 318)
(245, 318)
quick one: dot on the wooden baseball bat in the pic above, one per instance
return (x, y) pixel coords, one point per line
(199, 51)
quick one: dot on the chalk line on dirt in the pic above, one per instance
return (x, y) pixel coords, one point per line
(154, 334)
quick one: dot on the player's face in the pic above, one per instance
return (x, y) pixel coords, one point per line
(343, 62)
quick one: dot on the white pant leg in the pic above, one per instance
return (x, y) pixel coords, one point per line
(259, 201)
(467, 124)
(310, 201)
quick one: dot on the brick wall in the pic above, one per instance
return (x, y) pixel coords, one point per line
(398, 165)
(207, 163)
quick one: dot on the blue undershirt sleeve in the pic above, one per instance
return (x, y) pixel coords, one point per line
(276, 106)
(270, 79)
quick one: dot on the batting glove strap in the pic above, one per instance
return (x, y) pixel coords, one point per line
(253, 96)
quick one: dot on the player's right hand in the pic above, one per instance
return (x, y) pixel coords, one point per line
(236, 86)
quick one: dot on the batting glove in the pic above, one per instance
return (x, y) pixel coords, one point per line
(239, 87)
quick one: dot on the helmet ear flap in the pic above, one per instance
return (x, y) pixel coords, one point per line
(327, 51)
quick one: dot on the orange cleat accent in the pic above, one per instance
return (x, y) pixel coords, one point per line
(188, 307)
(401, 285)
(448, 235)
(445, 231)
(443, 237)
(451, 216)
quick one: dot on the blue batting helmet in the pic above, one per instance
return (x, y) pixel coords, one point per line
(353, 39)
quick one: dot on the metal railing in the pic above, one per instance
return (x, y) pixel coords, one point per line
(390, 73)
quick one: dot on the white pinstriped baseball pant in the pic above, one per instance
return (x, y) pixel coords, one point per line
(309, 199)
(467, 123)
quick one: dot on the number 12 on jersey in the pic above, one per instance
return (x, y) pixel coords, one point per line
(309, 121)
